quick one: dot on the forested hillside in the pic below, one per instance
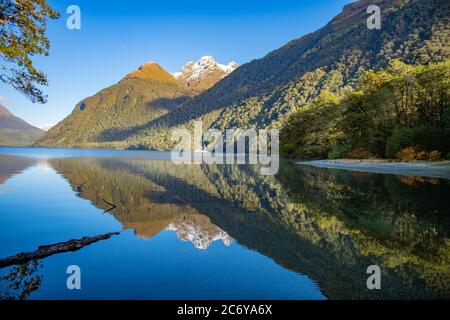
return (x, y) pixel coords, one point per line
(264, 92)
(401, 112)
(141, 96)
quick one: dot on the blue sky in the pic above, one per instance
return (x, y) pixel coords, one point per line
(116, 37)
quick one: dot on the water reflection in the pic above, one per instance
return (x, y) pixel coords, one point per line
(199, 230)
(20, 281)
(330, 225)
(12, 165)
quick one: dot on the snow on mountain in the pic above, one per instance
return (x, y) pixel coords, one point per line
(201, 235)
(202, 74)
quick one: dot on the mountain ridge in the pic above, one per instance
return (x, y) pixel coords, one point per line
(263, 92)
(151, 71)
(141, 96)
(16, 132)
(201, 75)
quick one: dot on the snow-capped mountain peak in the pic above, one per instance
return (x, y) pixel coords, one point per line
(202, 74)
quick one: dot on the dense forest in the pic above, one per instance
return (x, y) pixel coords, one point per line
(402, 111)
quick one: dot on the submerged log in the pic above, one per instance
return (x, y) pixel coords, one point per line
(49, 250)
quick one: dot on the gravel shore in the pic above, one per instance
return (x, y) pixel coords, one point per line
(423, 169)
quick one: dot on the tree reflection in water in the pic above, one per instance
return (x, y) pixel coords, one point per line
(20, 281)
(328, 224)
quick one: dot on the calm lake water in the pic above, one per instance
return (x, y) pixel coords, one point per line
(218, 232)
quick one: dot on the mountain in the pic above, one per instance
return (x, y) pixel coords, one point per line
(15, 131)
(148, 93)
(47, 127)
(264, 92)
(141, 96)
(203, 74)
(151, 71)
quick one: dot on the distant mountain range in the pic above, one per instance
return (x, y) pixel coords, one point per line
(141, 110)
(142, 96)
(15, 131)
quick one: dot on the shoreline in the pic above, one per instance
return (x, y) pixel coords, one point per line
(421, 169)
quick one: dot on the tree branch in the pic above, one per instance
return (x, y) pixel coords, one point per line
(49, 250)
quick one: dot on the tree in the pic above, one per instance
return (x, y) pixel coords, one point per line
(311, 131)
(400, 107)
(22, 36)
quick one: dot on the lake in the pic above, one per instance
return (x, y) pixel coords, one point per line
(218, 231)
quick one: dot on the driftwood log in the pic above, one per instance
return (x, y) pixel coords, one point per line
(49, 250)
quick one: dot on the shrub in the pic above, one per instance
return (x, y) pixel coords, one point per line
(360, 153)
(339, 151)
(287, 149)
(434, 155)
(420, 138)
(407, 154)
(401, 138)
(413, 154)
(421, 155)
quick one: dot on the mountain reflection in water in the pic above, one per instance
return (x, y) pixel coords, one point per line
(327, 224)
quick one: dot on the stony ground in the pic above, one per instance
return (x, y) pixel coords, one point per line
(425, 169)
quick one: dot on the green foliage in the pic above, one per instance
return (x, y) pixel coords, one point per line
(424, 138)
(391, 109)
(115, 113)
(22, 35)
(413, 99)
(338, 151)
(311, 132)
(400, 139)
